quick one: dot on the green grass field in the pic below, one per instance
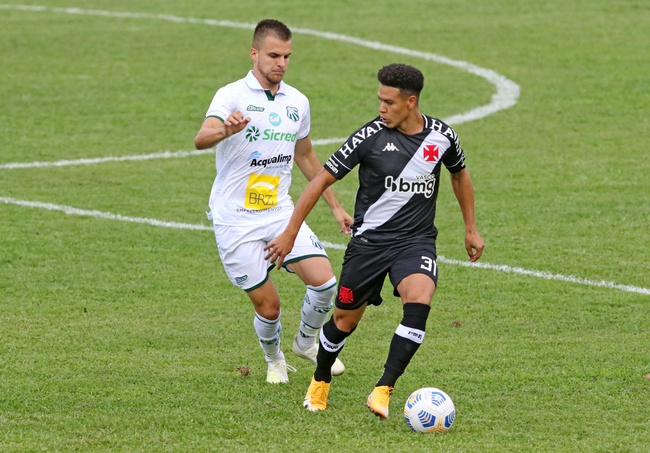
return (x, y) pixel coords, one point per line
(118, 334)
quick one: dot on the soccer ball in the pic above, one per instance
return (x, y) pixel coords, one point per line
(429, 410)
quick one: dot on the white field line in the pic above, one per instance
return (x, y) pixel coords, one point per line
(505, 97)
(188, 226)
(101, 160)
(103, 215)
(507, 91)
(136, 157)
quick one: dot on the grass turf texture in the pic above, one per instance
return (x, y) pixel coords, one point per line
(126, 337)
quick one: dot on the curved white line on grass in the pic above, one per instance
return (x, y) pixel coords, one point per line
(507, 90)
(505, 97)
(136, 157)
(188, 226)
(101, 160)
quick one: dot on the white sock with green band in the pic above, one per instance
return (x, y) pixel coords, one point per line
(316, 306)
(268, 332)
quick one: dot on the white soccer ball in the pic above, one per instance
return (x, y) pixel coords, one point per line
(429, 410)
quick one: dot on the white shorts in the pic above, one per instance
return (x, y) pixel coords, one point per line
(241, 249)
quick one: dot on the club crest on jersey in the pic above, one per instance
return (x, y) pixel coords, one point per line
(292, 113)
(431, 153)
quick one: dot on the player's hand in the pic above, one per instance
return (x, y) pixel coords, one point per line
(279, 248)
(236, 123)
(344, 219)
(474, 245)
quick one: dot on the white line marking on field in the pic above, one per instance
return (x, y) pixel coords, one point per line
(188, 226)
(101, 160)
(103, 215)
(136, 157)
(505, 97)
(548, 276)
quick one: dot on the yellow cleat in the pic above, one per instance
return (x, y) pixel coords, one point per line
(378, 401)
(316, 397)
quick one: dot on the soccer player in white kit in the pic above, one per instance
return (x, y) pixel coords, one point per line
(260, 125)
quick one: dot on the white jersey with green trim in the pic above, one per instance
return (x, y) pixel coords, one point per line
(254, 166)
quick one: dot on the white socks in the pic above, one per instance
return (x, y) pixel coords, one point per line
(316, 306)
(268, 332)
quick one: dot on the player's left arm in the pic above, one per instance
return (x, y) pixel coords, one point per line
(308, 163)
(464, 191)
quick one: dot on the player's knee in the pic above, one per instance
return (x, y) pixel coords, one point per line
(346, 320)
(268, 308)
(270, 313)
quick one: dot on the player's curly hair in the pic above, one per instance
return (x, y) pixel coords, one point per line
(270, 26)
(402, 76)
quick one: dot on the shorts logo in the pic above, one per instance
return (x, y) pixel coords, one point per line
(242, 279)
(292, 113)
(345, 295)
(316, 243)
(431, 153)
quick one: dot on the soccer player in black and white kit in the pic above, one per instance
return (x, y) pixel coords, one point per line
(400, 155)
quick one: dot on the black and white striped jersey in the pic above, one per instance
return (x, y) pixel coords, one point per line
(398, 177)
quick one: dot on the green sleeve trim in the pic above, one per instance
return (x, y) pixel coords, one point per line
(215, 116)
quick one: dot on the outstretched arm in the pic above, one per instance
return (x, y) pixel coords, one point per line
(280, 247)
(464, 191)
(307, 161)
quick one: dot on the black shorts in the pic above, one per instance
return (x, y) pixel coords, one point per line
(366, 265)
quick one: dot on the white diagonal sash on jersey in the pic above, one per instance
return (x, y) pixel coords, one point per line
(392, 201)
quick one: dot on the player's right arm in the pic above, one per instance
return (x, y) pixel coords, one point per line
(280, 247)
(214, 129)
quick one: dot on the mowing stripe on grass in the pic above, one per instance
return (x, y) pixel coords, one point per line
(188, 226)
(505, 97)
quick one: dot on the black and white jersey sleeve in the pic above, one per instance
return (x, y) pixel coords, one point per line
(398, 177)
